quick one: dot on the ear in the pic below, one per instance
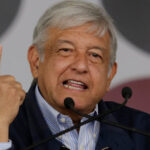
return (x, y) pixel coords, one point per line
(34, 60)
(111, 75)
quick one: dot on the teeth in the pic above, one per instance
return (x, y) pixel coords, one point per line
(72, 84)
(75, 82)
(72, 87)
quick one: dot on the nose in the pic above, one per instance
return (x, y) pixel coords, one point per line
(80, 64)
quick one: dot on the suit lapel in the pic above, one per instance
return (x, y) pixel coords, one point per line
(113, 137)
(38, 127)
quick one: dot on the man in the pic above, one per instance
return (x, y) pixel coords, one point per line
(72, 55)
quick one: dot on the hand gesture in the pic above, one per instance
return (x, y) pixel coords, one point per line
(11, 97)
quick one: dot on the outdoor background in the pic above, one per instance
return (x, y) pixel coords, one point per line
(132, 19)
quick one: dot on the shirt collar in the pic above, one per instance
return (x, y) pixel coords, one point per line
(50, 114)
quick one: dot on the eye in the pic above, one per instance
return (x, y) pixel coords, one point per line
(64, 51)
(95, 57)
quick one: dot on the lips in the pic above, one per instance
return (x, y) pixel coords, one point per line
(74, 84)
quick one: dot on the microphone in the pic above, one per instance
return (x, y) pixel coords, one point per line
(126, 94)
(64, 131)
(69, 103)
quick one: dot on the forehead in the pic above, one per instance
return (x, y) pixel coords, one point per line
(84, 32)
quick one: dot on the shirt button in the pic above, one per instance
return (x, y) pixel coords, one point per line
(63, 120)
(81, 148)
(60, 137)
(94, 135)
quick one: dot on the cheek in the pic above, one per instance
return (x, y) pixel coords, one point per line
(100, 79)
(53, 69)
(99, 73)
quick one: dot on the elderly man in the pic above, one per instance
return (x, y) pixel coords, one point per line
(72, 55)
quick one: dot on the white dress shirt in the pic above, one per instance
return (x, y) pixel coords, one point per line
(87, 137)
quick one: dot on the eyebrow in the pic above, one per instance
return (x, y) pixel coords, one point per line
(64, 41)
(97, 47)
(60, 41)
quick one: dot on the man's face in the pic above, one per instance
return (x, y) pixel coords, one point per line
(75, 65)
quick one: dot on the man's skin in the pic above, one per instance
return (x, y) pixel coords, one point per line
(73, 55)
(76, 64)
(11, 97)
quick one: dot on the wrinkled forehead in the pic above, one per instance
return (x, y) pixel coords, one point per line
(83, 35)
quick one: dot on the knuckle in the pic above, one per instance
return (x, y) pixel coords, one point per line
(4, 86)
(19, 85)
(12, 90)
(10, 77)
(23, 94)
(7, 77)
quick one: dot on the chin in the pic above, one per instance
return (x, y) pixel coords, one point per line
(83, 108)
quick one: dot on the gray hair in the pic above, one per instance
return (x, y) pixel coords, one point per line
(72, 13)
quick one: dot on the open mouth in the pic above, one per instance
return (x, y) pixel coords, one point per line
(76, 85)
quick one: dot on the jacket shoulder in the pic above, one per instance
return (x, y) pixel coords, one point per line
(130, 116)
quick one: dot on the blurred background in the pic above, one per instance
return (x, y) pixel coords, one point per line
(132, 20)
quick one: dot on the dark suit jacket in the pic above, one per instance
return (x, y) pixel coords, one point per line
(30, 127)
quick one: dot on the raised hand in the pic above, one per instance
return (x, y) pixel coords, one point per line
(11, 97)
